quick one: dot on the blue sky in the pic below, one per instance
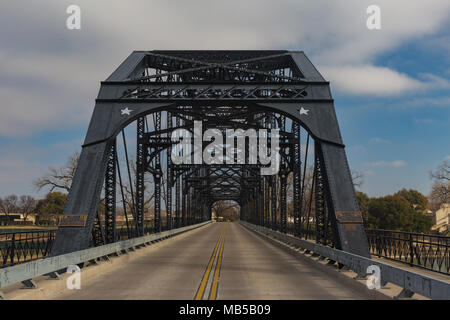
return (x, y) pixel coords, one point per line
(391, 86)
(412, 128)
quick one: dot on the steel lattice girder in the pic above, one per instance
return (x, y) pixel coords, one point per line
(110, 195)
(281, 82)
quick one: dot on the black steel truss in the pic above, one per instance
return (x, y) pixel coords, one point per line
(248, 90)
(140, 172)
(110, 195)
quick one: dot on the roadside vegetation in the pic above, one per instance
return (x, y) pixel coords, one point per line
(406, 210)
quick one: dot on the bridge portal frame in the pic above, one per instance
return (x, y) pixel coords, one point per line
(217, 78)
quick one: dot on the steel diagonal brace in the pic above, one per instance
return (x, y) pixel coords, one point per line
(219, 65)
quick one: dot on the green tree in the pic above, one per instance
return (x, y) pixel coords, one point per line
(394, 212)
(53, 204)
(420, 223)
(363, 203)
(415, 198)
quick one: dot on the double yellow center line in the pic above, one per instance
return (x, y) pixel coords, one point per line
(215, 281)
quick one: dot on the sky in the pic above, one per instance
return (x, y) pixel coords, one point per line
(391, 86)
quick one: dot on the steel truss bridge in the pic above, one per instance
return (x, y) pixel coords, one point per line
(128, 190)
(160, 91)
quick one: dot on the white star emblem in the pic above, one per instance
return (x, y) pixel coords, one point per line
(303, 111)
(126, 111)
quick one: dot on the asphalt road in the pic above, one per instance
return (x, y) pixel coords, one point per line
(219, 261)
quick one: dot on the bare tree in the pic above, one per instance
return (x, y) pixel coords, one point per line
(59, 178)
(26, 206)
(226, 209)
(308, 203)
(442, 173)
(357, 178)
(440, 190)
(9, 204)
(129, 189)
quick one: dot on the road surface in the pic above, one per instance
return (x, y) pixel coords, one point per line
(218, 261)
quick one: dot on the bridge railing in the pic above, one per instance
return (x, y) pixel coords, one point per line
(411, 282)
(426, 251)
(24, 246)
(25, 272)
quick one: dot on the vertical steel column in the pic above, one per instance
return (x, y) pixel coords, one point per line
(177, 190)
(267, 121)
(283, 183)
(274, 200)
(183, 200)
(255, 204)
(169, 177)
(194, 205)
(157, 177)
(140, 172)
(273, 193)
(98, 236)
(261, 201)
(283, 216)
(296, 178)
(255, 207)
(207, 185)
(266, 202)
(320, 201)
(188, 205)
(110, 195)
(177, 202)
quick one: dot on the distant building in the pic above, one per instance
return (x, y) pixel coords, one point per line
(16, 218)
(442, 218)
(123, 219)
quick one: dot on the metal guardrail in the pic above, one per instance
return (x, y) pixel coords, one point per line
(26, 271)
(431, 252)
(24, 246)
(417, 283)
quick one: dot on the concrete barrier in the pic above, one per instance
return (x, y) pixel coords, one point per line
(27, 271)
(410, 281)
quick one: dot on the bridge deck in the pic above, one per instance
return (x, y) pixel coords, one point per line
(250, 268)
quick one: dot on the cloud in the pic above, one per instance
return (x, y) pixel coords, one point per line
(431, 81)
(50, 75)
(438, 44)
(379, 140)
(423, 120)
(447, 157)
(423, 102)
(370, 80)
(373, 80)
(68, 147)
(21, 162)
(19, 166)
(357, 148)
(394, 164)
